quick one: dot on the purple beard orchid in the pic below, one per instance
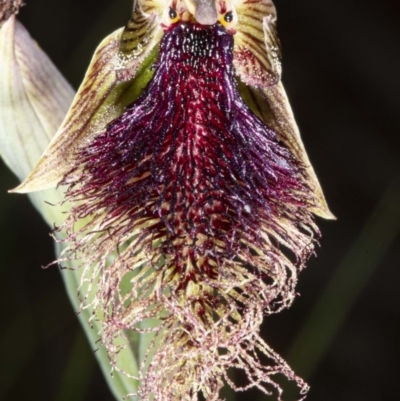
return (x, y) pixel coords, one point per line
(191, 195)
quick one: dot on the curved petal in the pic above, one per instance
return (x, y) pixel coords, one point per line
(257, 48)
(140, 35)
(257, 62)
(272, 105)
(107, 89)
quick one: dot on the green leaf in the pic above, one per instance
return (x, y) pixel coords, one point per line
(34, 98)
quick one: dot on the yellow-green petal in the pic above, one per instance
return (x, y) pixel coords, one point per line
(113, 81)
(257, 48)
(272, 105)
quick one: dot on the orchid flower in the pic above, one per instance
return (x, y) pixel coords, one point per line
(188, 193)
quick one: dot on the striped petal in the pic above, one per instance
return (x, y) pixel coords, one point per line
(141, 33)
(116, 75)
(272, 105)
(257, 47)
(257, 63)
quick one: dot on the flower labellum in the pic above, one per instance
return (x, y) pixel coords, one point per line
(192, 195)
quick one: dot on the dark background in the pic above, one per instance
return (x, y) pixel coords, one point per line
(341, 69)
